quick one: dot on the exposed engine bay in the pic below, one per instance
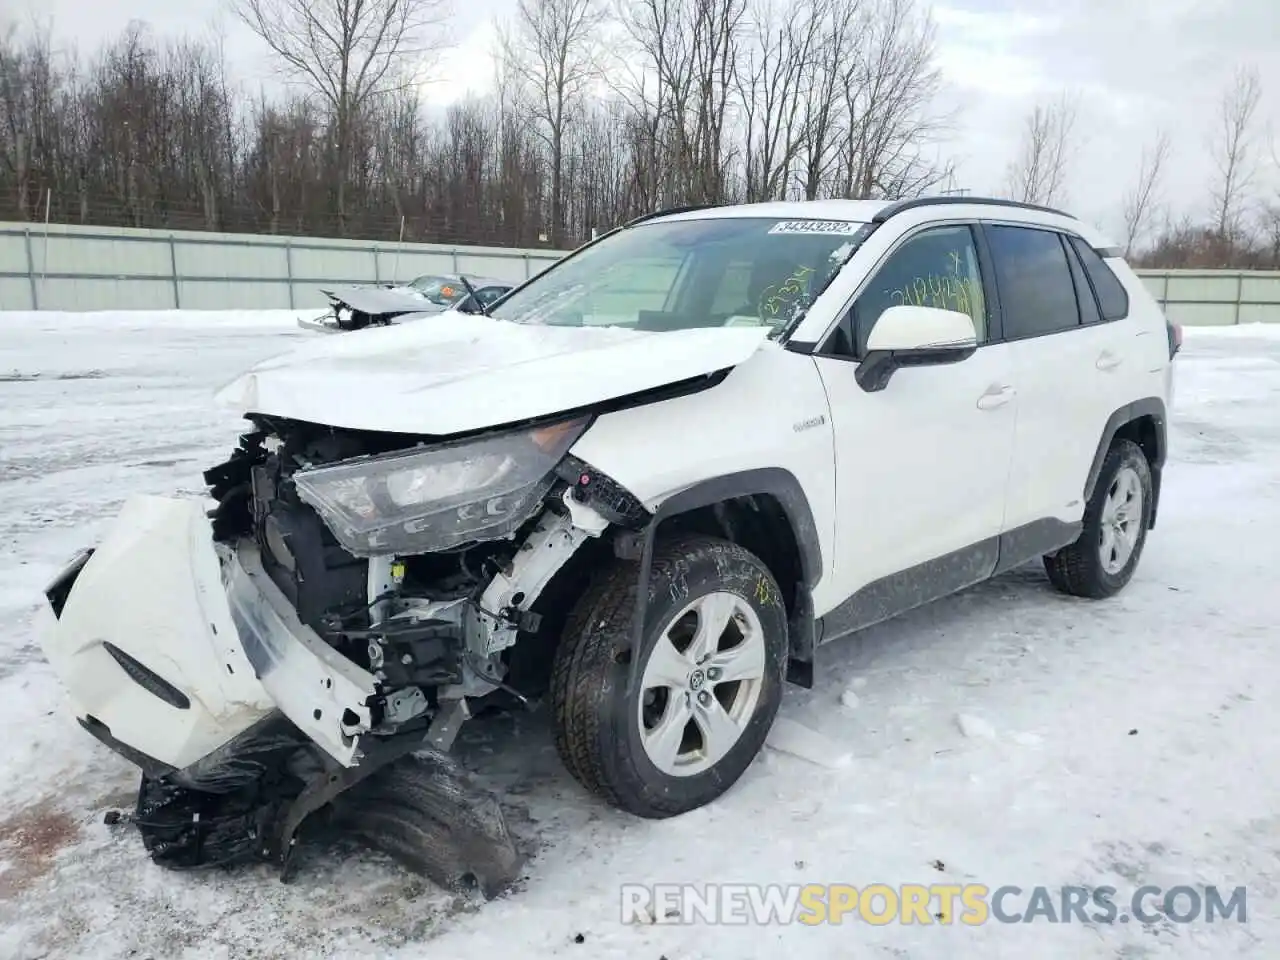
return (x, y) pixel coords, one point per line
(433, 620)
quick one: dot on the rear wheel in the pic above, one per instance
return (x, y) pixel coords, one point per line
(1103, 558)
(711, 668)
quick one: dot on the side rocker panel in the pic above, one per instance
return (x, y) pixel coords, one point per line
(943, 576)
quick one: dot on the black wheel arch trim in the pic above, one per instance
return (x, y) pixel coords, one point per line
(1153, 407)
(774, 481)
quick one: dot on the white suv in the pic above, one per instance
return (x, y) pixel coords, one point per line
(648, 485)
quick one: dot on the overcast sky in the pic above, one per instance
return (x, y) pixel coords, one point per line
(1138, 64)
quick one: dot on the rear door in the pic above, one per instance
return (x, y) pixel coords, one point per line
(1139, 361)
(1068, 371)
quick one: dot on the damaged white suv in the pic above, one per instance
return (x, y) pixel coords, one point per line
(645, 488)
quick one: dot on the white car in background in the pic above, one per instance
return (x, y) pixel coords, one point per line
(357, 306)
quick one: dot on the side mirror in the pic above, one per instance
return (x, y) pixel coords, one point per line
(907, 336)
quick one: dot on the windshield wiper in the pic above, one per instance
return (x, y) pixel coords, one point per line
(471, 292)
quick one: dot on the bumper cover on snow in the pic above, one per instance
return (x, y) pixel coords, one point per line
(171, 646)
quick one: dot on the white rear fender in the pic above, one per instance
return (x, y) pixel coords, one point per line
(153, 590)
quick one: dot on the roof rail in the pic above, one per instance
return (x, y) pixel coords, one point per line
(670, 211)
(901, 206)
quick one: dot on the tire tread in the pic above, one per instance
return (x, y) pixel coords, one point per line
(596, 632)
(1076, 569)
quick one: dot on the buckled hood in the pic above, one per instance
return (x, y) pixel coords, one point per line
(468, 371)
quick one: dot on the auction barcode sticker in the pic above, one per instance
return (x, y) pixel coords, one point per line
(838, 228)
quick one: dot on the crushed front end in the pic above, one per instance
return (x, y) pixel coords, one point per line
(349, 602)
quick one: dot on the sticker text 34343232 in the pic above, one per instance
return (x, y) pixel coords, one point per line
(837, 228)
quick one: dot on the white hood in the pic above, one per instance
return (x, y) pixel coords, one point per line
(378, 300)
(472, 371)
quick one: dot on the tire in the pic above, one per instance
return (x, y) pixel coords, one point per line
(604, 732)
(1089, 567)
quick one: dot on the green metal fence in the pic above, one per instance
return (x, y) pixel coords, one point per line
(104, 268)
(1216, 297)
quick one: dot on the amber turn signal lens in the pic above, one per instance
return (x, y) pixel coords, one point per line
(550, 437)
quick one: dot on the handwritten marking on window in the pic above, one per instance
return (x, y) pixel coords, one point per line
(788, 292)
(944, 291)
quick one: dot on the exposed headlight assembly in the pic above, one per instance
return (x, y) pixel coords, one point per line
(427, 500)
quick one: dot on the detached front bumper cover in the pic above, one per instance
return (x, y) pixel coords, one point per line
(184, 657)
(170, 646)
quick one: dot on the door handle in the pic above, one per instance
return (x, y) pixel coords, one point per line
(1108, 360)
(997, 395)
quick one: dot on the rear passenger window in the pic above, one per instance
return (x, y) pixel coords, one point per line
(1112, 296)
(1037, 293)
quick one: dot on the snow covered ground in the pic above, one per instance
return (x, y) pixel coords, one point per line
(1005, 736)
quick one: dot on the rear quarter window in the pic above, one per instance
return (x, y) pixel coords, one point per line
(1113, 299)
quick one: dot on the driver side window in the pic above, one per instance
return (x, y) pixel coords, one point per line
(937, 267)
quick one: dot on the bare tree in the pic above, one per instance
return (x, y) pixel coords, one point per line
(835, 67)
(690, 49)
(722, 103)
(1271, 214)
(1039, 172)
(553, 53)
(890, 118)
(1139, 202)
(770, 75)
(1269, 222)
(1231, 146)
(348, 52)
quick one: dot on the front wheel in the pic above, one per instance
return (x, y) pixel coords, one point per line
(1116, 518)
(711, 667)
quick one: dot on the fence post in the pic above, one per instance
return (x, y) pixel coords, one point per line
(377, 270)
(454, 253)
(1164, 295)
(527, 265)
(1239, 294)
(173, 273)
(31, 272)
(288, 267)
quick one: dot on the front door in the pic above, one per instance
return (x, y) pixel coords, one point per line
(921, 466)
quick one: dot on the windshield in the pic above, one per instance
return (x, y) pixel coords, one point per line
(691, 273)
(442, 290)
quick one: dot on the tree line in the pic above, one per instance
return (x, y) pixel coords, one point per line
(602, 110)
